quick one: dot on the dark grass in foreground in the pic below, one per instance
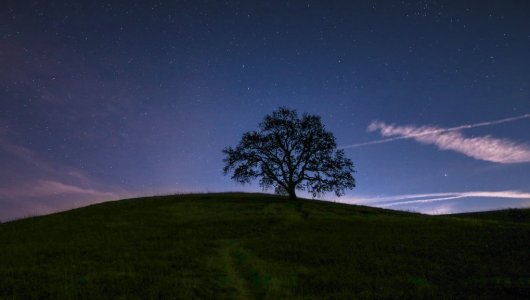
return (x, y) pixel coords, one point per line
(253, 246)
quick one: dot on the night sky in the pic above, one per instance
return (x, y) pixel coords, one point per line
(102, 100)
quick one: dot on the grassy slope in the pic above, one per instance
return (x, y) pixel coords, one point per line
(507, 215)
(258, 246)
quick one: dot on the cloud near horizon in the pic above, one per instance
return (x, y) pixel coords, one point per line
(36, 185)
(484, 148)
(443, 203)
(43, 196)
(43, 188)
(411, 199)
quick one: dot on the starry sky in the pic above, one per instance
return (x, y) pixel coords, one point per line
(103, 100)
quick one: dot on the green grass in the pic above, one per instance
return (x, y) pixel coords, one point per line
(254, 246)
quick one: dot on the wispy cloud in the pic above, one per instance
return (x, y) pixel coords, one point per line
(407, 199)
(431, 130)
(27, 155)
(44, 188)
(18, 151)
(483, 148)
(37, 197)
(39, 186)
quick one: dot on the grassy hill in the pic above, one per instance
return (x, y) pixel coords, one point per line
(508, 215)
(254, 246)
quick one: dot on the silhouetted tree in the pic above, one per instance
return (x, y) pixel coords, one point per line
(289, 154)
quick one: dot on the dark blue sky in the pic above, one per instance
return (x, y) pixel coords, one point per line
(102, 100)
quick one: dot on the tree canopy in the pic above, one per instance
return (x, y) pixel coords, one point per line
(289, 153)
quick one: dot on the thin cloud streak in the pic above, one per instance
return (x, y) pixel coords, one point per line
(37, 163)
(38, 197)
(482, 148)
(43, 188)
(436, 197)
(433, 130)
(28, 156)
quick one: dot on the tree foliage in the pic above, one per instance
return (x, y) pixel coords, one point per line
(289, 153)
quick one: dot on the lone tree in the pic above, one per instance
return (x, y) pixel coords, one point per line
(289, 154)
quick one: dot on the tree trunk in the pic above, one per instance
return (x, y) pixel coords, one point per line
(292, 192)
